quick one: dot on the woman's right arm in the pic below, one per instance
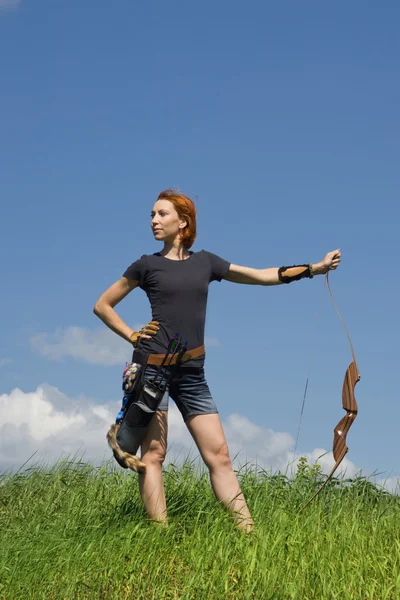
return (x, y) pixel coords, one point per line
(104, 307)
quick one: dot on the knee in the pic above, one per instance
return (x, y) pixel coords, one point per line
(154, 454)
(219, 459)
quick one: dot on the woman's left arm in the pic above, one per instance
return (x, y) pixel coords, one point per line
(275, 276)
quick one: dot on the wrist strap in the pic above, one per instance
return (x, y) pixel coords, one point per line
(131, 338)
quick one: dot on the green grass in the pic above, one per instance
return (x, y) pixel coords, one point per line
(74, 531)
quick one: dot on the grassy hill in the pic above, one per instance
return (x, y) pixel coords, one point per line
(79, 532)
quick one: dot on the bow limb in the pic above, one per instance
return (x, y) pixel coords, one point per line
(326, 480)
(349, 404)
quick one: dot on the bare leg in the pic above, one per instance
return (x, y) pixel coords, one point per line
(151, 484)
(227, 490)
(209, 436)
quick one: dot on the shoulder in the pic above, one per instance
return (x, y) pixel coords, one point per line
(206, 254)
(203, 256)
(218, 266)
(139, 261)
(212, 257)
(137, 269)
(143, 260)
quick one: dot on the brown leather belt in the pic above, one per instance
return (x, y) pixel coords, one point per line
(156, 359)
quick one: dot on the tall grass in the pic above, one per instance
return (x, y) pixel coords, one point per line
(74, 531)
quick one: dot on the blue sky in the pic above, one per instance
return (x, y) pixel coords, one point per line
(282, 120)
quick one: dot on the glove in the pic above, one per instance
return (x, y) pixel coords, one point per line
(146, 333)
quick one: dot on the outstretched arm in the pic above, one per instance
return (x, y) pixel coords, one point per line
(250, 276)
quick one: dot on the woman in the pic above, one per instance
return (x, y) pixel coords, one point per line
(176, 282)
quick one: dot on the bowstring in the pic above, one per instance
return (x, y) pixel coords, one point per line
(312, 353)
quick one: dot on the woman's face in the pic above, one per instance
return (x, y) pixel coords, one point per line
(165, 221)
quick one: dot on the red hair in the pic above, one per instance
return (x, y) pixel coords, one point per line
(186, 210)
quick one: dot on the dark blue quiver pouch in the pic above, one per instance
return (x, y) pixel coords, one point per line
(142, 405)
(145, 397)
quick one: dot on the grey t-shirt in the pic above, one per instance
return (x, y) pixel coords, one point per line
(177, 291)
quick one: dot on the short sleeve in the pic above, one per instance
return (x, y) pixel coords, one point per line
(137, 270)
(219, 267)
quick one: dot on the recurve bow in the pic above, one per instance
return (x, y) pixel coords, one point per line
(349, 403)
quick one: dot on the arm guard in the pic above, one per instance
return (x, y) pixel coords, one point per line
(294, 273)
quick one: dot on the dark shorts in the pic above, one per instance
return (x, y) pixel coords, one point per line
(188, 389)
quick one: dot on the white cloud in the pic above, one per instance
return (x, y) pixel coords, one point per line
(273, 450)
(50, 423)
(391, 484)
(97, 347)
(39, 414)
(9, 4)
(250, 442)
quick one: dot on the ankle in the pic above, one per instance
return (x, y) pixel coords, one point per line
(159, 522)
